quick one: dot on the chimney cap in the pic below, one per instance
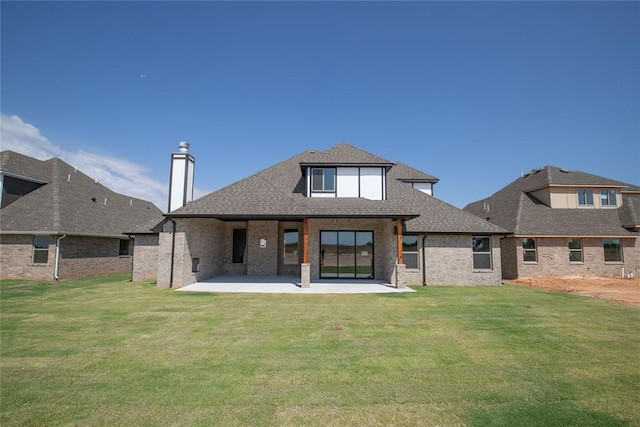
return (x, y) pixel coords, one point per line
(183, 146)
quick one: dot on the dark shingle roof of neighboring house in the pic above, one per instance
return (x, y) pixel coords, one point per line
(278, 192)
(630, 211)
(515, 209)
(70, 203)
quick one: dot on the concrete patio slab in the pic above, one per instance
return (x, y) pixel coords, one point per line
(290, 285)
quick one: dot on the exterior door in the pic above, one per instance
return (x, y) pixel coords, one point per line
(346, 254)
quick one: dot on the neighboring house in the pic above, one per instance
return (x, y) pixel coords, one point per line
(56, 222)
(342, 213)
(565, 222)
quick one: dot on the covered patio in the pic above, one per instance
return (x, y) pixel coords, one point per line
(290, 285)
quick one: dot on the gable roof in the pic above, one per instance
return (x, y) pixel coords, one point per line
(70, 203)
(279, 192)
(515, 209)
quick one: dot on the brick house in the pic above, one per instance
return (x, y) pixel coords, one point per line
(342, 213)
(56, 222)
(565, 222)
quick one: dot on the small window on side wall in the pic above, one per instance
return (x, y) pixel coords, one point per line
(529, 249)
(410, 251)
(575, 250)
(125, 247)
(481, 252)
(40, 249)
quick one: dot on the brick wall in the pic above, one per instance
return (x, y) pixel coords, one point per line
(80, 256)
(449, 261)
(16, 256)
(262, 261)
(145, 257)
(553, 257)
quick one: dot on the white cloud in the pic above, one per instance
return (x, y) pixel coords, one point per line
(120, 175)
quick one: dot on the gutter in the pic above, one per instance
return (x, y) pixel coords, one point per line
(173, 251)
(424, 262)
(56, 269)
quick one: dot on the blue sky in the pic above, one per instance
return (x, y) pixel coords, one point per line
(474, 93)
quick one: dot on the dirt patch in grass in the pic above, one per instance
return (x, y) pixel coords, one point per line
(609, 287)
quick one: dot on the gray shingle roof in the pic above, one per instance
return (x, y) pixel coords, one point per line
(278, 192)
(71, 203)
(514, 209)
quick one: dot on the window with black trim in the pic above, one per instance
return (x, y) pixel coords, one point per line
(612, 250)
(529, 249)
(575, 250)
(239, 245)
(323, 180)
(40, 249)
(481, 252)
(125, 247)
(410, 251)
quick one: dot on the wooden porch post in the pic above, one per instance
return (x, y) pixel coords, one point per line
(399, 233)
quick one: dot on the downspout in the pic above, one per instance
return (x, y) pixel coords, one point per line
(57, 263)
(424, 265)
(173, 251)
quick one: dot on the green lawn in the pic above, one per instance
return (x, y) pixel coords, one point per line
(104, 351)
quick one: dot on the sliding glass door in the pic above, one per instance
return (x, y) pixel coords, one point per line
(346, 254)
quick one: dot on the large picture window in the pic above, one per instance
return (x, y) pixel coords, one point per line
(323, 179)
(608, 197)
(290, 256)
(585, 197)
(410, 251)
(612, 250)
(481, 252)
(575, 250)
(239, 245)
(529, 249)
(40, 249)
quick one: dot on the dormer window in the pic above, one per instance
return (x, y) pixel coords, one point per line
(608, 197)
(323, 180)
(585, 197)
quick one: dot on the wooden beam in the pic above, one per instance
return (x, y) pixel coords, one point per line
(305, 242)
(399, 233)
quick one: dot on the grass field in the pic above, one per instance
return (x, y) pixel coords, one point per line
(104, 351)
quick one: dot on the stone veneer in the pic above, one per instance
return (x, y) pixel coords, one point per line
(553, 258)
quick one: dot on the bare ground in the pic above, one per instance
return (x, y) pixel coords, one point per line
(608, 287)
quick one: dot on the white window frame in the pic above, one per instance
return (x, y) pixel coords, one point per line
(37, 249)
(584, 194)
(607, 196)
(534, 250)
(574, 251)
(482, 253)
